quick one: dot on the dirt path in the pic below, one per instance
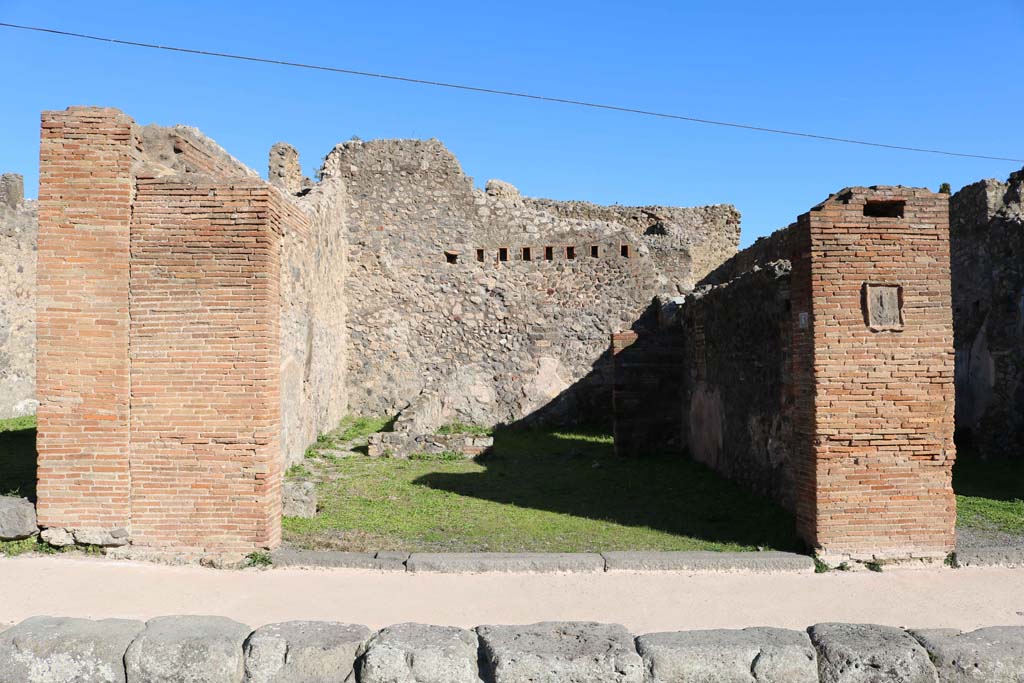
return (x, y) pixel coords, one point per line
(966, 598)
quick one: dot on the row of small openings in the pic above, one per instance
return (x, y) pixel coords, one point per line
(526, 253)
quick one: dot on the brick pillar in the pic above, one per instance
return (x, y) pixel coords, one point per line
(883, 374)
(85, 195)
(205, 350)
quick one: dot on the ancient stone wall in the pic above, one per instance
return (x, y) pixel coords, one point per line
(496, 306)
(987, 244)
(819, 372)
(737, 396)
(18, 221)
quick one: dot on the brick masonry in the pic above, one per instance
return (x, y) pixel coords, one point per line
(819, 372)
(160, 349)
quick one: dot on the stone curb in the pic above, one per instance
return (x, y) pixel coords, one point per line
(505, 562)
(187, 649)
(387, 561)
(770, 561)
(449, 563)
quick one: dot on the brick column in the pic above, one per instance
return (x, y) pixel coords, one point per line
(205, 364)
(883, 371)
(85, 195)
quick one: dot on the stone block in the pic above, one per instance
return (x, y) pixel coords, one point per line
(418, 653)
(505, 562)
(17, 519)
(298, 498)
(108, 538)
(187, 649)
(764, 655)
(560, 652)
(58, 537)
(770, 561)
(303, 652)
(61, 650)
(992, 655)
(293, 557)
(867, 653)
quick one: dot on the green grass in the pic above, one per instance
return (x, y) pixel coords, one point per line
(18, 456)
(467, 429)
(990, 495)
(359, 427)
(538, 491)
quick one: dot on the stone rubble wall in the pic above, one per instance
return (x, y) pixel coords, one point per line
(180, 649)
(18, 228)
(987, 245)
(433, 308)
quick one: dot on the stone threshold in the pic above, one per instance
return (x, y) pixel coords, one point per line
(472, 563)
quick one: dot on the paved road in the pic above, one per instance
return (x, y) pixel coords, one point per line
(643, 602)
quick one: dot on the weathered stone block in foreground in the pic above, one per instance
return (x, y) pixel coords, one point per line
(505, 562)
(303, 652)
(764, 655)
(294, 557)
(993, 655)
(62, 650)
(866, 653)
(196, 649)
(418, 653)
(560, 652)
(17, 519)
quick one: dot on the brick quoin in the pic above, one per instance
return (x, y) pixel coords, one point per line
(159, 349)
(878, 479)
(85, 197)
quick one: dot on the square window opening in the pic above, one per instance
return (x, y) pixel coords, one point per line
(480, 255)
(570, 253)
(549, 253)
(503, 254)
(624, 251)
(451, 256)
(595, 251)
(527, 254)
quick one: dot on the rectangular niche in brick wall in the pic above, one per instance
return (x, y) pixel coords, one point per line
(883, 306)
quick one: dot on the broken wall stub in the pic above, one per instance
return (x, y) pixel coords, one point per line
(160, 357)
(987, 242)
(18, 222)
(496, 305)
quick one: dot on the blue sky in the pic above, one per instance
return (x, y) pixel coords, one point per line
(931, 74)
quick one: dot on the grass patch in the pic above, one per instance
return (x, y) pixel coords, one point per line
(297, 471)
(467, 429)
(538, 491)
(990, 495)
(18, 457)
(355, 427)
(258, 558)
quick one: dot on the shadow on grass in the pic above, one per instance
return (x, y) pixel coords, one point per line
(579, 474)
(18, 457)
(996, 479)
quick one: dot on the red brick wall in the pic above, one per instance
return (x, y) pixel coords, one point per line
(159, 342)
(85, 194)
(205, 365)
(883, 444)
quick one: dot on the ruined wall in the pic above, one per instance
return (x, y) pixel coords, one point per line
(737, 404)
(443, 299)
(314, 337)
(987, 244)
(18, 218)
(176, 291)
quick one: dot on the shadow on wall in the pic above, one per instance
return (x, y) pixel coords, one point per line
(577, 471)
